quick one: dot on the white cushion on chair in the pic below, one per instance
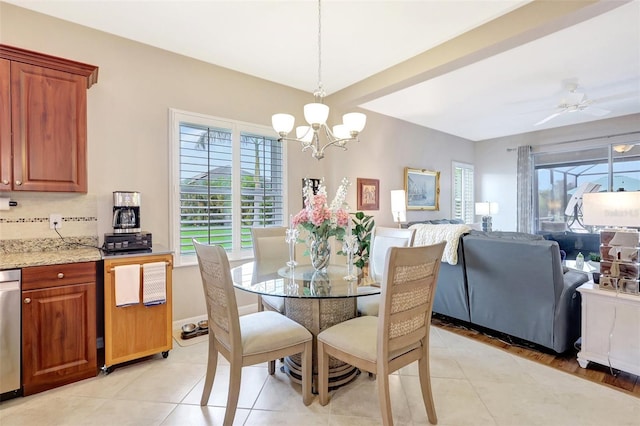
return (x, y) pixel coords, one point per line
(369, 305)
(356, 336)
(268, 331)
(275, 302)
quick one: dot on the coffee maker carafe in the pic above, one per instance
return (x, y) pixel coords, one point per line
(126, 212)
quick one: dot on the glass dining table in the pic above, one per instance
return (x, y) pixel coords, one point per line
(317, 300)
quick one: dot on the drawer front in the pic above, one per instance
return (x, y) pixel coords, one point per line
(58, 275)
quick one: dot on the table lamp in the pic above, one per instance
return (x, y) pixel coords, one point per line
(398, 206)
(486, 209)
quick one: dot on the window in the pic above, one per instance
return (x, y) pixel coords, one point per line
(560, 175)
(227, 176)
(462, 199)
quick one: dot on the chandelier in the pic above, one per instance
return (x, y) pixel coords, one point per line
(316, 115)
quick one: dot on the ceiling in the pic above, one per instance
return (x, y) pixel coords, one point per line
(478, 69)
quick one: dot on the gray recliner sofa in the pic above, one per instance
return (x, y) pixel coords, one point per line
(513, 283)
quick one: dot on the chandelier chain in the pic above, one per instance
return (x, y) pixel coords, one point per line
(320, 91)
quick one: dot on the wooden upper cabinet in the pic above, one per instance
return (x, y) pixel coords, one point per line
(6, 173)
(48, 121)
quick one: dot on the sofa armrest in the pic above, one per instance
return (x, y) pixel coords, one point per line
(567, 326)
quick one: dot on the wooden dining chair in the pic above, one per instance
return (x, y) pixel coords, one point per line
(269, 246)
(398, 336)
(381, 240)
(247, 340)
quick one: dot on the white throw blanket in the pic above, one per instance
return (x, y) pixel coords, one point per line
(427, 234)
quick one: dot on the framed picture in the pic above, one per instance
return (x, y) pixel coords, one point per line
(315, 184)
(368, 194)
(422, 188)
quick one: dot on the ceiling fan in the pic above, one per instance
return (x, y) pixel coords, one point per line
(575, 102)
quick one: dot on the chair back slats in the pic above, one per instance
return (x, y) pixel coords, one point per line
(219, 295)
(382, 239)
(407, 296)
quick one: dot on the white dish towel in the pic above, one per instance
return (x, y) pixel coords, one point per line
(154, 288)
(127, 286)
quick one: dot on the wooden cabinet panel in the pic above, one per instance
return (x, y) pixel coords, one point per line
(43, 121)
(136, 331)
(49, 115)
(58, 329)
(6, 176)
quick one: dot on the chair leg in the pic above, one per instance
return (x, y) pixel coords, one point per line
(212, 364)
(425, 386)
(235, 377)
(384, 399)
(272, 367)
(323, 374)
(307, 372)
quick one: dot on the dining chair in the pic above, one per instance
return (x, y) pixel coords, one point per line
(381, 240)
(398, 336)
(244, 340)
(269, 246)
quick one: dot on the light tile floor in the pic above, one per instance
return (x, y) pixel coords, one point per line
(473, 384)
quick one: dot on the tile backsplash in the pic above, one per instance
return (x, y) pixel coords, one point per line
(30, 218)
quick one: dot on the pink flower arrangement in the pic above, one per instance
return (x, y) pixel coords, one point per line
(321, 219)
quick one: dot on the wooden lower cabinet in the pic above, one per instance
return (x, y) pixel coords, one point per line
(136, 331)
(58, 325)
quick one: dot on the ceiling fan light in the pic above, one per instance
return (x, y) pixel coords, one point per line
(316, 113)
(282, 123)
(304, 133)
(620, 149)
(354, 121)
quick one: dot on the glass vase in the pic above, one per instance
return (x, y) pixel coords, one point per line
(319, 252)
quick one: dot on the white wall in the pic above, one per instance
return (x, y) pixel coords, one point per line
(496, 159)
(128, 147)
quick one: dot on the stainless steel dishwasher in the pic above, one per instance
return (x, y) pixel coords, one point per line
(10, 333)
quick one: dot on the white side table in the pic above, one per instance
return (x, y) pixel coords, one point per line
(610, 329)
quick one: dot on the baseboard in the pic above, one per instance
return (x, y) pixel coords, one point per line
(242, 310)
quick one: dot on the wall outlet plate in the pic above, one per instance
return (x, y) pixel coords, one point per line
(55, 218)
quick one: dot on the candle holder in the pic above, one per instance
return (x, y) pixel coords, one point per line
(291, 238)
(349, 246)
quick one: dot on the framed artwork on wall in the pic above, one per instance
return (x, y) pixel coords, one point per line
(422, 188)
(368, 194)
(315, 184)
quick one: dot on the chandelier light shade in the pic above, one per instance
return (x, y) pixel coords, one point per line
(316, 115)
(399, 206)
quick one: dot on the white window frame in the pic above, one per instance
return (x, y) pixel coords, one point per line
(469, 167)
(176, 117)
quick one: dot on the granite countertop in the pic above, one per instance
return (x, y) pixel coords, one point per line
(15, 254)
(38, 258)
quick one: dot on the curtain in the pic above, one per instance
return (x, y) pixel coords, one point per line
(525, 189)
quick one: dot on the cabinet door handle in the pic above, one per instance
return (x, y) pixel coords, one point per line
(5, 181)
(18, 182)
(60, 275)
(27, 300)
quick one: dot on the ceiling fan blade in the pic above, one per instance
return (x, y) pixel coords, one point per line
(551, 117)
(595, 111)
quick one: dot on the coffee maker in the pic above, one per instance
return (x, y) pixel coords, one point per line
(126, 212)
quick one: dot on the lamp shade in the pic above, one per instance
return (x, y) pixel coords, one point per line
(611, 208)
(316, 113)
(354, 121)
(486, 208)
(398, 205)
(304, 133)
(282, 123)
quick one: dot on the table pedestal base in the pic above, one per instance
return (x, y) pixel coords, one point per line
(317, 315)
